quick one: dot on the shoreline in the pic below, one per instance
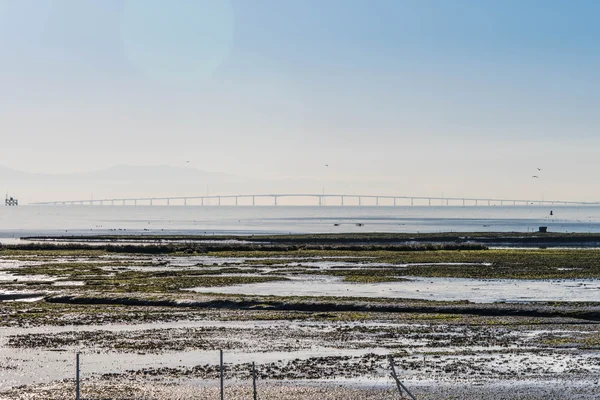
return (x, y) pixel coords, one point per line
(491, 239)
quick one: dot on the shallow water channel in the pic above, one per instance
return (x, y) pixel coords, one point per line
(441, 289)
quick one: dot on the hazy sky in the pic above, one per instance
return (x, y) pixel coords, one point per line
(466, 96)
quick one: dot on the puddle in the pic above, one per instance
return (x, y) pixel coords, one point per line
(22, 296)
(68, 283)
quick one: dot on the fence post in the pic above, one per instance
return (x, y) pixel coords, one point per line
(77, 395)
(254, 380)
(222, 376)
(398, 383)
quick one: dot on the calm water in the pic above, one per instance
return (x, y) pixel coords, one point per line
(32, 220)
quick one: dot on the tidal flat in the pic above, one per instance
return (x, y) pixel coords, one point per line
(149, 319)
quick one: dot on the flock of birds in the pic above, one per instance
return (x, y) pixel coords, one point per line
(535, 176)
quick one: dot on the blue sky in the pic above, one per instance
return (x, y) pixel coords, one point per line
(464, 95)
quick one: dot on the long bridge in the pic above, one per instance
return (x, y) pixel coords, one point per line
(321, 199)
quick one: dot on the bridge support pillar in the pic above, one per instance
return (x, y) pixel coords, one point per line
(219, 201)
(394, 202)
(463, 202)
(275, 200)
(342, 200)
(253, 200)
(412, 202)
(359, 201)
(377, 201)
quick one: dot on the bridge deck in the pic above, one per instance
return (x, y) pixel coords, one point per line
(320, 199)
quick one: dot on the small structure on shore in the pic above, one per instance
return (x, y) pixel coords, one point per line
(11, 201)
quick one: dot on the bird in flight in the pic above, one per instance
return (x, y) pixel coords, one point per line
(327, 165)
(535, 176)
(539, 169)
(187, 162)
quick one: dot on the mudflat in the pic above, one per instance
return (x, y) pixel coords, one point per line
(149, 315)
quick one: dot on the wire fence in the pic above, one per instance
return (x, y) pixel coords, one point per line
(251, 372)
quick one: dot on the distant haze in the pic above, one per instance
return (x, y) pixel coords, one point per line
(127, 181)
(406, 97)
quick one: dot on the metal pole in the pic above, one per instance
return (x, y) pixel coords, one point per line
(254, 381)
(77, 396)
(222, 377)
(398, 383)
